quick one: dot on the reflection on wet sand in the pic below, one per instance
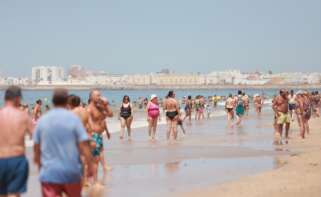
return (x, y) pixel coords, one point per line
(207, 155)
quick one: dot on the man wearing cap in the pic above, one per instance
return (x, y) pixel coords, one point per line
(14, 123)
(281, 108)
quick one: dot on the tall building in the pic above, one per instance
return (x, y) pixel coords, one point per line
(47, 74)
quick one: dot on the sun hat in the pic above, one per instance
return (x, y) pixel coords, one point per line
(153, 96)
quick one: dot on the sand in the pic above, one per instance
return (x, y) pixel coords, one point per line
(299, 176)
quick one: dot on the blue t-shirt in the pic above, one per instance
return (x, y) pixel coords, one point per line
(59, 132)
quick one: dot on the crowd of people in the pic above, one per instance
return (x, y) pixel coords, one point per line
(69, 137)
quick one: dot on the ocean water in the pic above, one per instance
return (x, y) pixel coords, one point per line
(115, 96)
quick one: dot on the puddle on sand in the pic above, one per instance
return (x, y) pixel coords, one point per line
(155, 180)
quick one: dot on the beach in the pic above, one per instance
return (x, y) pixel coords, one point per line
(299, 174)
(209, 154)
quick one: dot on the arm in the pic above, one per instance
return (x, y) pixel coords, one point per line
(36, 155)
(36, 147)
(30, 125)
(274, 106)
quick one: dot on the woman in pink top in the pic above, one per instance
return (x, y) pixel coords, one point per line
(152, 116)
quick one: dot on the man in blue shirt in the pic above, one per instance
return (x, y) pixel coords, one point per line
(60, 139)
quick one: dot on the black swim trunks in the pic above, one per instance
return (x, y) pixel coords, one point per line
(171, 114)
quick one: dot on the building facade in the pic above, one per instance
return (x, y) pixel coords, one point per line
(47, 74)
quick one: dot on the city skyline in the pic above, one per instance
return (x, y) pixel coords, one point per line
(143, 36)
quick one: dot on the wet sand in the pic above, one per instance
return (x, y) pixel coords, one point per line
(209, 154)
(299, 175)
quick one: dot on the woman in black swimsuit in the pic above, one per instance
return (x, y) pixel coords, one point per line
(172, 114)
(126, 117)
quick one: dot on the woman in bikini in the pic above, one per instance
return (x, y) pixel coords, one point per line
(126, 117)
(152, 116)
(172, 114)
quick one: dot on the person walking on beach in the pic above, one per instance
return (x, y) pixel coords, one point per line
(14, 124)
(74, 104)
(98, 110)
(126, 117)
(229, 107)
(315, 100)
(292, 104)
(281, 109)
(172, 114)
(153, 112)
(188, 109)
(37, 110)
(258, 102)
(60, 139)
(301, 113)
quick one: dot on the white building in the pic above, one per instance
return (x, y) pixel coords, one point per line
(47, 74)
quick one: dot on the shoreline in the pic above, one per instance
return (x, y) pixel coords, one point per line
(201, 87)
(299, 174)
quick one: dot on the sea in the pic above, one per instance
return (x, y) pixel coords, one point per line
(115, 96)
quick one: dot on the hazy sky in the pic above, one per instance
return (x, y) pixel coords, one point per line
(127, 36)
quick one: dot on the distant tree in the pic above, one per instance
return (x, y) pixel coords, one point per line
(270, 72)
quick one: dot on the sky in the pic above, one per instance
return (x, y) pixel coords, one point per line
(141, 36)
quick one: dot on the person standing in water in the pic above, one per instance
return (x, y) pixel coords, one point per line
(240, 108)
(37, 111)
(172, 114)
(153, 113)
(246, 101)
(126, 117)
(229, 107)
(281, 108)
(14, 124)
(98, 110)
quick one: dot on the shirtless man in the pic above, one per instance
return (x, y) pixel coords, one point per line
(74, 104)
(98, 110)
(14, 124)
(281, 108)
(246, 101)
(258, 102)
(172, 114)
(37, 111)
